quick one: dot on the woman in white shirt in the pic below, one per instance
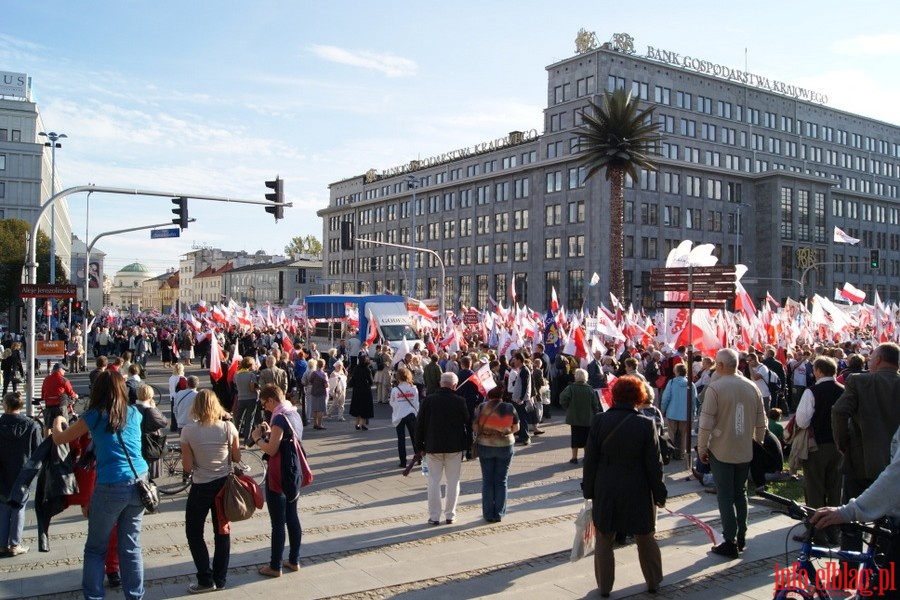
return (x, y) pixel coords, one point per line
(175, 383)
(405, 407)
(337, 391)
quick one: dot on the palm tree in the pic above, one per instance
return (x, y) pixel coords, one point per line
(620, 137)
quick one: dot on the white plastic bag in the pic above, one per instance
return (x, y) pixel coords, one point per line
(584, 533)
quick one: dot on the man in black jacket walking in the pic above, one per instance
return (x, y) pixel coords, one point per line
(441, 436)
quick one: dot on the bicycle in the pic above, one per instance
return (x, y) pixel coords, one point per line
(801, 580)
(173, 480)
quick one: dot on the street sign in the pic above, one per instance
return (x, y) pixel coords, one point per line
(52, 350)
(157, 234)
(682, 286)
(680, 304)
(46, 290)
(696, 271)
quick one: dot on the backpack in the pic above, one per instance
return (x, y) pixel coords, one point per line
(379, 362)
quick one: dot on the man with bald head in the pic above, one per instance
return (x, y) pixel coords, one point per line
(732, 416)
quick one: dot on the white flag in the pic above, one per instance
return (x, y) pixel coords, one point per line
(852, 293)
(595, 279)
(842, 238)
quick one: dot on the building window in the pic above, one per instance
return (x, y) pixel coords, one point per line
(554, 181)
(553, 214)
(787, 214)
(693, 219)
(520, 219)
(501, 252)
(649, 213)
(613, 83)
(2, 162)
(482, 291)
(520, 251)
(522, 187)
(649, 247)
(684, 100)
(576, 212)
(575, 246)
(552, 248)
(551, 282)
(640, 90)
(575, 291)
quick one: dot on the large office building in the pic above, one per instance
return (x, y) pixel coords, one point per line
(26, 168)
(761, 169)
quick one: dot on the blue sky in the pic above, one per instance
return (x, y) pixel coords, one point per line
(214, 98)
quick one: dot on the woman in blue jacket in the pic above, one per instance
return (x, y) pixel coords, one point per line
(675, 407)
(116, 430)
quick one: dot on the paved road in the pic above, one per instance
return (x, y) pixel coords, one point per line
(365, 535)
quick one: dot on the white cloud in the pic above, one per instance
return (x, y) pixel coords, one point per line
(389, 64)
(884, 44)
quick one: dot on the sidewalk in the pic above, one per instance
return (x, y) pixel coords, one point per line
(366, 536)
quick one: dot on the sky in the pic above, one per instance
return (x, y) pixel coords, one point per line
(215, 97)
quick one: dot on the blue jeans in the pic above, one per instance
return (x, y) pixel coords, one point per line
(283, 513)
(111, 504)
(201, 500)
(494, 472)
(731, 494)
(12, 522)
(524, 422)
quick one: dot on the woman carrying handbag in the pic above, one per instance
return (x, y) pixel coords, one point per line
(116, 430)
(208, 447)
(280, 440)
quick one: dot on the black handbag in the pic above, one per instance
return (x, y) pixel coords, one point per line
(152, 445)
(146, 489)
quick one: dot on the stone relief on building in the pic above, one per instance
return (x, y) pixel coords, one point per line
(585, 41)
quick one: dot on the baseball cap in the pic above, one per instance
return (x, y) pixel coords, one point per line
(59, 367)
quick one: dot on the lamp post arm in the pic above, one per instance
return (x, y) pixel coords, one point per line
(429, 251)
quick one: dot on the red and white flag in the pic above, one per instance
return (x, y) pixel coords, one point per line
(512, 291)
(483, 379)
(769, 298)
(215, 358)
(371, 329)
(852, 293)
(554, 301)
(842, 238)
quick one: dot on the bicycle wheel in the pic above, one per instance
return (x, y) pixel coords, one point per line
(172, 479)
(253, 465)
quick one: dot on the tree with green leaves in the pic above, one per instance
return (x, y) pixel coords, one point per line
(308, 244)
(619, 136)
(12, 259)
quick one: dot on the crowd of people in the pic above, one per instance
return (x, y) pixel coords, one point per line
(629, 410)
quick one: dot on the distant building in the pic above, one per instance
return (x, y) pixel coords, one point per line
(25, 165)
(127, 287)
(760, 169)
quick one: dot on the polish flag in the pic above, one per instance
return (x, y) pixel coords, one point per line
(215, 358)
(372, 329)
(554, 301)
(483, 379)
(769, 298)
(842, 238)
(218, 314)
(286, 344)
(235, 363)
(512, 291)
(852, 293)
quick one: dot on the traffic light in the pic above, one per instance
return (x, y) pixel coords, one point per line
(874, 258)
(346, 235)
(181, 212)
(277, 197)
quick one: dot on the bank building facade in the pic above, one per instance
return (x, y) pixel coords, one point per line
(761, 169)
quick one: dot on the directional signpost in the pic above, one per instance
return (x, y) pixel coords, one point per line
(705, 287)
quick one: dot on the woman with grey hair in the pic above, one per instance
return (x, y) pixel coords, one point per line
(581, 403)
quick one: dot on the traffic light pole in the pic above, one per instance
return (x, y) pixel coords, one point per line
(31, 261)
(813, 266)
(87, 279)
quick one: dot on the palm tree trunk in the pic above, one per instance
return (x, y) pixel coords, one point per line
(616, 232)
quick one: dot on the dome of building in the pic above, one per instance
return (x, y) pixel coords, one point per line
(137, 269)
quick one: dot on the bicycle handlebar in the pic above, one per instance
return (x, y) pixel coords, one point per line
(802, 512)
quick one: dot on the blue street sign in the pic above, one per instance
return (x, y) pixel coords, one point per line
(165, 233)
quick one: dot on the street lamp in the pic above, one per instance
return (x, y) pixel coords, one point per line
(413, 183)
(53, 144)
(737, 231)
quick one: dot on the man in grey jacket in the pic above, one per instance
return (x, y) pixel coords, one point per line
(863, 420)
